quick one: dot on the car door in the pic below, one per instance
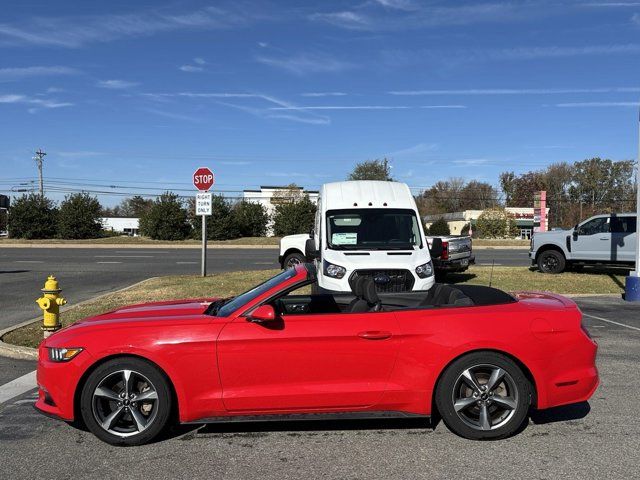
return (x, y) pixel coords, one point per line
(334, 361)
(592, 241)
(623, 237)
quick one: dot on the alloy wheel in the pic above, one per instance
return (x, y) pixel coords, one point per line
(125, 403)
(485, 397)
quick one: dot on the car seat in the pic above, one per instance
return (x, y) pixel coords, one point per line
(367, 299)
(443, 294)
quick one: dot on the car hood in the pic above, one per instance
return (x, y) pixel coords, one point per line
(176, 310)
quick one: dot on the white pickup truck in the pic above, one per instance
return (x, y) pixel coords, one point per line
(365, 228)
(607, 239)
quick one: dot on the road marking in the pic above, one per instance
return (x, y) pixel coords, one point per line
(490, 264)
(264, 263)
(187, 263)
(108, 262)
(18, 386)
(29, 261)
(143, 252)
(123, 256)
(611, 321)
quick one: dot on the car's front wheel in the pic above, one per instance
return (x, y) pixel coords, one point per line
(551, 261)
(126, 401)
(483, 396)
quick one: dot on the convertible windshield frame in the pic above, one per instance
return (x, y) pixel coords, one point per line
(351, 238)
(236, 303)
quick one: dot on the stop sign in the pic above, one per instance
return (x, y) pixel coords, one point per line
(203, 179)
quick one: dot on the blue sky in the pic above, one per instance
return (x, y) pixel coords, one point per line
(139, 94)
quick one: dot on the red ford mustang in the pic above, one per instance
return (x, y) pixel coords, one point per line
(476, 355)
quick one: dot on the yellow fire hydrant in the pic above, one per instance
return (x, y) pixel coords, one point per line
(50, 303)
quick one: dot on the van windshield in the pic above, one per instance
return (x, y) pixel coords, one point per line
(373, 229)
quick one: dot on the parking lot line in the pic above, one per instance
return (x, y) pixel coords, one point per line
(29, 261)
(123, 256)
(18, 386)
(611, 321)
(186, 263)
(108, 262)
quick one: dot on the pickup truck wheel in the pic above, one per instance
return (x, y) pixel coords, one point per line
(551, 261)
(293, 259)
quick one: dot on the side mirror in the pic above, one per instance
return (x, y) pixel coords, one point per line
(575, 235)
(264, 313)
(436, 248)
(310, 250)
(311, 233)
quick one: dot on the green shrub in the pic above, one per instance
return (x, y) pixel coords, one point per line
(32, 216)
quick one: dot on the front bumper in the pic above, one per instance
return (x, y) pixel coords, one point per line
(57, 383)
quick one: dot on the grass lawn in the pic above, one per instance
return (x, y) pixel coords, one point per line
(227, 284)
(500, 242)
(126, 240)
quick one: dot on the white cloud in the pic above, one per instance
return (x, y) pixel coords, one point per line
(612, 4)
(414, 150)
(35, 103)
(515, 91)
(323, 94)
(17, 73)
(77, 31)
(303, 64)
(263, 44)
(345, 19)
(80, 154)
(116, 84)
(597, 104)
(199, 61)
(363, 107)
(190, 68)
(636, 18)
(171, 115)
(398, 4)
(470, 162)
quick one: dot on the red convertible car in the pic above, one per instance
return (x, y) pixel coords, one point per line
(477, 356)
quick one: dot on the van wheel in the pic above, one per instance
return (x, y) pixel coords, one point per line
(293, 259)
(551, 261)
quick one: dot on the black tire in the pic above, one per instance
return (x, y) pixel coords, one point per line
(459, 404)
(292, 260)
(129, 425)
(551, 261)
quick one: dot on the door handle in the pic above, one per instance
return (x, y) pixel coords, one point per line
(375, 335)
(604, 238)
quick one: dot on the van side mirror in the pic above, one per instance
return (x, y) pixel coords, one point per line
(436, 248)
(310, 250)
(575, 235)
(262, 314)
(311, 233)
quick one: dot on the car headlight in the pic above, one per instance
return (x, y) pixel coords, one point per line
(62, 354)
(425, 270)
(334, 271)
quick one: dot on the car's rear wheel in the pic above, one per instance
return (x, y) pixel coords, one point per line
(551, 261)
(483, 396)
(126, 401)
(293, 259)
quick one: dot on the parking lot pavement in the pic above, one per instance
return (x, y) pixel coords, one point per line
(595, 440)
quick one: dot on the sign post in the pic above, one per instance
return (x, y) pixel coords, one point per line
(203, 180)
(632, 281)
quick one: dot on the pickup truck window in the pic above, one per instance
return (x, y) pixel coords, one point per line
(373, 229)
(623, 224)
(595, 226)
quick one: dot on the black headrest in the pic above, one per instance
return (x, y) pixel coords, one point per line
(357, 287)
(369, 292)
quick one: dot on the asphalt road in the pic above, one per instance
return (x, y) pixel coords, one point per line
(84, 273)
(595, 440)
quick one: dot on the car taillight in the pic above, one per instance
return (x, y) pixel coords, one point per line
(445, 251)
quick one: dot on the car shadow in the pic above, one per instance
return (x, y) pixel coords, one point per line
(458, 277)
(261, 428)
(14, 271)
(574, 411)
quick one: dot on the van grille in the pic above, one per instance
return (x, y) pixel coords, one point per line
(386, 281)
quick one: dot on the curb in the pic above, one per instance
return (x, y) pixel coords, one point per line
(142, 246)
(28, 353)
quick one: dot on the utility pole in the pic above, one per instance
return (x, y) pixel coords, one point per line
(39, 157)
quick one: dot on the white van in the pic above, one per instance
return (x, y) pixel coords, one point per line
(366, 228)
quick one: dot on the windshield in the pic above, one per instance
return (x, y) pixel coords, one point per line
(373, 229)
(224, 308)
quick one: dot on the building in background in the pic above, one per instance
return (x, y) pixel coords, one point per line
(524, 218)
(124, 225)
(269, 196)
